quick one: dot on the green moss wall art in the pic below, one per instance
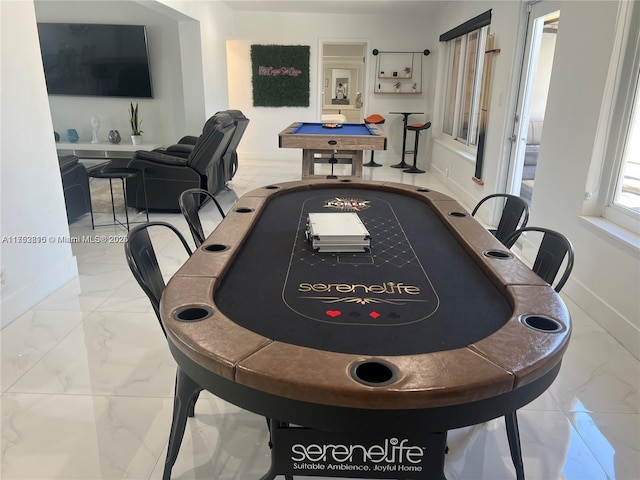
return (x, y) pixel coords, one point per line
(280, 75)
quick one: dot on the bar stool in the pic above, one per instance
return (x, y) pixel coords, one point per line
(405, 121)
(417, 128)
(375, 119)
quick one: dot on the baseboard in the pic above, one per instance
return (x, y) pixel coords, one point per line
(618, 326)
(16, 303)
(458, 190)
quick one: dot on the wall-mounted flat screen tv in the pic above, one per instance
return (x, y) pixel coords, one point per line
(97, 60)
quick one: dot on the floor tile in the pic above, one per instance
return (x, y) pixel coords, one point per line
(110, 353)
(67, 437)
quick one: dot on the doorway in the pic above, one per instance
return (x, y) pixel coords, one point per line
(537, 65)
(342, 81)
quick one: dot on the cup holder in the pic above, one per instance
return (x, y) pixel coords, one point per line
(272, 187)
(540, 323)
(374, 373)
(192, 314)
(216, 247)
(244, 210)
(499, 254)
(457, 214)
(425, 190)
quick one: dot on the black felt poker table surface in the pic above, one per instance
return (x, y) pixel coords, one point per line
(416, 290)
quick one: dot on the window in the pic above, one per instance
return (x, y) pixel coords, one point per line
(627, 189)
(463, 86)
(623, 200)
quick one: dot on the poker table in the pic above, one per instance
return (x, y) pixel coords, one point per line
(336, 142)
(363, 361)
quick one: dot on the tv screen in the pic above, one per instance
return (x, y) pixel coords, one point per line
(98, 60)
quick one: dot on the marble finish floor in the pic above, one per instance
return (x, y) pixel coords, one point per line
(87, 384)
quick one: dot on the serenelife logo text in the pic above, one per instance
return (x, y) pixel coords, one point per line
(391, 451)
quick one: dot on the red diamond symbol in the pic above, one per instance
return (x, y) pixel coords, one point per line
(374, 314)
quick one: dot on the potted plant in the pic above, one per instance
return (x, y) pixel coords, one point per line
(397, 85)
(135, 122)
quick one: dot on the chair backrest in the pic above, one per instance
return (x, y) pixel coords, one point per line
(230, 157)
(190, 202)
(515, 214)
(552, 251)
(211, 145)
(143, 262)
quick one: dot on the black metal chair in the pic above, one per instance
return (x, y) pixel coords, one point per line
(143, 263)
(553, 249)
(515, 214)
(190, 202)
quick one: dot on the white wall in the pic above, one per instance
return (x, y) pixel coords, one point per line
(162, 116)
(31, 197)
(606, 277)
(216, 22)
(187, 56)
(383, 33)
(543, 76)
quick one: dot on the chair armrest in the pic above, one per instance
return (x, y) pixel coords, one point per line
(180, 150)
(188, 140)
(159, 157)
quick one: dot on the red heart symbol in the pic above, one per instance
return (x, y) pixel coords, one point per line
(333, 313)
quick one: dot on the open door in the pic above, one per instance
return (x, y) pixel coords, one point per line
(537, 64)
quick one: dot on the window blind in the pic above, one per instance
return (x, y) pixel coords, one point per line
(469, 26)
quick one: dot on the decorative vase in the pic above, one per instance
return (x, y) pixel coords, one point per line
(72, 135)
(114, 137)
(136, 139)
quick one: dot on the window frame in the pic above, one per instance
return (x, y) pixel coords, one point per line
(627, 99)
(471, 139)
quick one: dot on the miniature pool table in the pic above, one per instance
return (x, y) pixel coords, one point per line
(343, 141)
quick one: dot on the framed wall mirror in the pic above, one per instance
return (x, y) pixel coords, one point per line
(343, 80)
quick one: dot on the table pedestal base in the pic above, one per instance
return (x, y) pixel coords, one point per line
(318, 453)
(343, 157)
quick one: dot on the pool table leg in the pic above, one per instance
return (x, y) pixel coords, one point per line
(513, 434)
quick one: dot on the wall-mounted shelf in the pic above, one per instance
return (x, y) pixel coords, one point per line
(399, 72)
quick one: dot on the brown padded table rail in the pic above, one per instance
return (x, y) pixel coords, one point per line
(511, 358)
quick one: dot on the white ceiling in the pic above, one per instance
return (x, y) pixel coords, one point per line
(373, 7)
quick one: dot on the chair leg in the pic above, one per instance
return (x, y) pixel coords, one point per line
(186, 391)
(414, 168)
(513, 434)
(192, 406)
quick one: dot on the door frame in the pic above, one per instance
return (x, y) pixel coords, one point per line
(522, 93)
